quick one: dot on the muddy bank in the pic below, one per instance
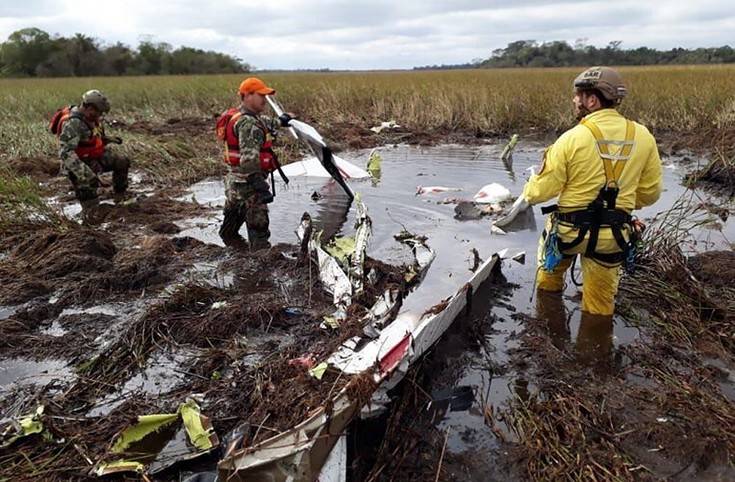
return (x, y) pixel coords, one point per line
(39, 167)
(84, 265)
(343, 135)
(623, 416)
(717, 176)
(188, 127)
(155, 212)
(715, 139)
(244, 347)
(690, 300)
(346, 136)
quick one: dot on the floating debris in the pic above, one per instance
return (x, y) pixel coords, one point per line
(386, 125)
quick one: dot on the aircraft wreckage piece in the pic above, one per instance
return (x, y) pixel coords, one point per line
(140, 448)
(337, 169)
(341, 264)
(312, 167)
(301, 453)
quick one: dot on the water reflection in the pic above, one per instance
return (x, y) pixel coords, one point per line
(550, 308)
(593, 343)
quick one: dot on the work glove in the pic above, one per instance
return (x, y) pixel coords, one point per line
(113, 140)
(285, 118)
(519, 206)
(261, 188)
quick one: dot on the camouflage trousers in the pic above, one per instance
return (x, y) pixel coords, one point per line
(243, 207)
(84, 174)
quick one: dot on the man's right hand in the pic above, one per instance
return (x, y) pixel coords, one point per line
(286, 118)
(261, 188)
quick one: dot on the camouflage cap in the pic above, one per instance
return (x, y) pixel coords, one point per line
(96, 98)
(608, 81)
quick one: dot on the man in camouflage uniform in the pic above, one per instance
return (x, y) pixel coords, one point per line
(246, 187)
(83, 149)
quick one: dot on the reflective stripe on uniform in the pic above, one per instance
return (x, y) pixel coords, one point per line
(613, 172)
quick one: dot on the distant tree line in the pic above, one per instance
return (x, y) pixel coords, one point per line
(530, 53)
(31, 52)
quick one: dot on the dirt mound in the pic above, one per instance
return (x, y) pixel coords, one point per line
(165, 227)
(152, 263)
(716, 269)
(38, 262)
(191, 126)
(269, 292)
(347, 135)
(155, 211)
(40, 168)
(83, 265)
(71, 337)
(718, 176)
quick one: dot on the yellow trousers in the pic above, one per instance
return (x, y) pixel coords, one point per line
(600, 284)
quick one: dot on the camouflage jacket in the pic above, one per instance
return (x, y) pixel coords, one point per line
(252, 137)
(74, 131)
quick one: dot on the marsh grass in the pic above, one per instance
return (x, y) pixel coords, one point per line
(22, 203)
(698, 101)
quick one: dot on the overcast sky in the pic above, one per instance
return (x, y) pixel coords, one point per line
(376, 34)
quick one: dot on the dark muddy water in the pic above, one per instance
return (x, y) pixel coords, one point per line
(470, 368)
(392, 203)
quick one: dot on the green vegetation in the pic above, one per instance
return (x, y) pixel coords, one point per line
(22, 203)
(677, 99)
(31, 52)
(530, 53)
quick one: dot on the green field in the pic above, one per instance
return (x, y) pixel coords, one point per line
(484, 101)
(696, 102)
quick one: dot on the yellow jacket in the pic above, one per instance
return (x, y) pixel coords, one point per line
(573, 171)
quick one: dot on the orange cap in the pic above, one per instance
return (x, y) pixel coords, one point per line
(253, 84)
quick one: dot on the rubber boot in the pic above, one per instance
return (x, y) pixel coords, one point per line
(120, 175)
(91, 213)
(229, 231)
(259, 239)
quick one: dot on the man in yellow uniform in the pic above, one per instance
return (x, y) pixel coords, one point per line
(600, 170)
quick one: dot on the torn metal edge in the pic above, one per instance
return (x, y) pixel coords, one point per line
(300, 453)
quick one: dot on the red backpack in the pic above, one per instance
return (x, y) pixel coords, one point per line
(225, 132)
(57, 120)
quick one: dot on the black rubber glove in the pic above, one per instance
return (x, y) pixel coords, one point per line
(285, 118)
(261, 188)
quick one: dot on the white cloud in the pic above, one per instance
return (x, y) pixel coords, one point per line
(379, 33)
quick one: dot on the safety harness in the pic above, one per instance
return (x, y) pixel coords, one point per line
(602, 212)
